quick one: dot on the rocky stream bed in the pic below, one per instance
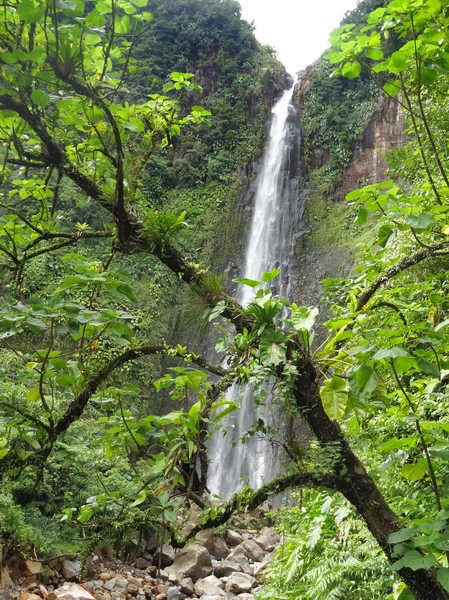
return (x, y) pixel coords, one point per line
(211, 568)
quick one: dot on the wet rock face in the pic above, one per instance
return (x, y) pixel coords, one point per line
(384, 132)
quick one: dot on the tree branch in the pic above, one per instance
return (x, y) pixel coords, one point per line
(245, 500)
(405, 263)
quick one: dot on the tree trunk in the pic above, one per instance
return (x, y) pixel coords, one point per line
(356, 485)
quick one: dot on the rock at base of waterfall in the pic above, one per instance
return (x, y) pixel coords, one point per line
(203, 587)
(226, 568)
(252, 551)
(215, 544)
(167, 555)
(268, 539)
(233, 538)
(214, 581)
(72, 591)
(29, 596)
(239, 583)
(193, 561)
(70, 569)
(186, 586)
(173, 594)
(142, 563)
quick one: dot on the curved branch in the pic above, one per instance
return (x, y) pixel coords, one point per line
(405, 263)
(77, 406)
(245, 501)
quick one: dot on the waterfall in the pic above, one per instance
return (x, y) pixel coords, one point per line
(271, 243)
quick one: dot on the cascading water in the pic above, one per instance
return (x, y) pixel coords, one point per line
(271, 244)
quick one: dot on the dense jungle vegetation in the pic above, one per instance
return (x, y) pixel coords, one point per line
(121, 164)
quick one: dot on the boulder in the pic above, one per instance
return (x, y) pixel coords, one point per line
(233, 538)
(173, 575)
(245, 597)
(193, 561)
(72, 591)
(239, 583)
(34, 566)
(226, 568)
(215, 581)
(203, 587)
(215, 544)
(186, 586)
(268, 539)
(143, 563)
(4, 595)
(173, 594)
(29, 596)
(167, 555)
(70, 569)
(253, 551)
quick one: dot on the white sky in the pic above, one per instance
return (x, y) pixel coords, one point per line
(297, 29)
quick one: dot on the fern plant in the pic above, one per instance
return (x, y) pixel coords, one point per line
(326, 554)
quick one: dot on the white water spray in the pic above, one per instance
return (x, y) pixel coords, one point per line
(271, 243)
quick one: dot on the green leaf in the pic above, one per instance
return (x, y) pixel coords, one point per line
(304, 317)
(443, 577)
(390, 353)
(414, 560)
(415, 471)
(384, 235)
(249, 282)
(141, 497)
(395, 443)
(402, 535)
(28, 11)
(33, 395)
(351, 70)
(66, 381)
(271, 275)
(272, 347)
(361, 215)
(334, 396)
(40, 98)
(392, 88)
(420, 222)
(218, 309)
(366, 379)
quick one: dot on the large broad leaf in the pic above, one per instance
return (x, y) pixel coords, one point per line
(334, 396)
(383, 235)
(271, 275)
(420, 222)
(402, 535)
(395, 443)
(351, 70)
(415, 471)
(304, 317)
(245, 281)
(414, 560)
(390, 353)
(272, 347)
(40, 98)
(366, 379)
(443, 577)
